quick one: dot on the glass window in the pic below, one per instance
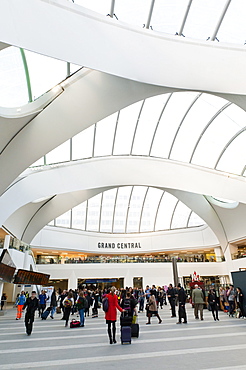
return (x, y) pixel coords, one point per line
(51, 223)
(150, 208)
(59, 154)
(180, 217)
(149, 117)
(82, 144)
(135, 209)
(93, 213)
(195, 220)
(170, 120)
(79, 216)
(165, 212)
(168, 15)
(64, 220)
(194, 122)
(13, 90)
(45, 72)
(125, 128)
(107, 212)
(233, 159)
(39, 162)
(133, 12)
(122, 202)
(99, 6)
(105, 130)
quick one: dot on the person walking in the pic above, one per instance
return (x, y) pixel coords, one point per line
(31, 306)
(239, 300)
(19, 303)
(3, 300)
(42, 302)
(152, 308)
(171, 297)
(198, 300)
(53, 303)
(213, 303)
(81, 305)
(68, 304)
(181, 300)
(231, 294)
(111, 314)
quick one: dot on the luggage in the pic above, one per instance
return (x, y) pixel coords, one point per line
(125, 334)
(125, 320)
(58, 309)
(74, 324)
(45, 314)
(135, 330)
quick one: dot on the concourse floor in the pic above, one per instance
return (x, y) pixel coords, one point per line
(198, 345)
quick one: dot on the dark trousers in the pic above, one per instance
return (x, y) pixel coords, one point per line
(232, 307)
(109, 329)
(240, 306)
(182, 312)
(29, 318)
(215, 311)
(141, 304)
(172, 304)
(41, 308)
(67, 314)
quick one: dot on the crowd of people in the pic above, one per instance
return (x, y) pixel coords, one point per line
(85, 302)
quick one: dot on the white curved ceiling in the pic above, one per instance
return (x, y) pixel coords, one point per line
(113, 115)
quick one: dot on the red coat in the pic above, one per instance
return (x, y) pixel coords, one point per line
(111, 314)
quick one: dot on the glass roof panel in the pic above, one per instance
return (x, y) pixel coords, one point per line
(168, 15)
(99, 6)
(133, 12)
(79, 216)
(135, 209)
(215, 138)
(150, 208)
(82, 144)
(149, 117)
(107, 212)
(105, 130)
(234, 158)
(13, 91)
(203, 18)
(180, 217)
(165, 212)
(193, 124)
(44, 72)
(125, 128)
(64, 220)
(233, 28)
(121, 208)
(93, 213)
(195, 220)
(59, 154)
(170, 120)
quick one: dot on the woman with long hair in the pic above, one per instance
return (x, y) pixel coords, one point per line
(239, 299)
(152, 308)
(213, 303)
(68, 303)
(111, 314)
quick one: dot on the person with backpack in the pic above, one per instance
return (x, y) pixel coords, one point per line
(68, 304)
(111, 313)
(81, 305)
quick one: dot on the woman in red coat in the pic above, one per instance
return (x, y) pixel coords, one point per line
(111, 314)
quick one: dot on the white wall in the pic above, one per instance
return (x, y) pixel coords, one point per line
(68, 239)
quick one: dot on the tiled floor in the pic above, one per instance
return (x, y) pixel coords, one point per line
(198, 345)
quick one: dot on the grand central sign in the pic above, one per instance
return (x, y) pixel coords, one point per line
(119, 245)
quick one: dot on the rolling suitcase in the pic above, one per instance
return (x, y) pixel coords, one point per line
(135, 330)
(45, 314)
(125, 334)
(125, 320)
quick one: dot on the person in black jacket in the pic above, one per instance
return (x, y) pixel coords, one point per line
(239, 300)
(31, 306)
(171, 297)
(214, 304)
(181, 300)
(53, 303)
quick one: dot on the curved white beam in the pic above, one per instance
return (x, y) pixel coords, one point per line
(121, 49)
(122, 171)
(88, 97)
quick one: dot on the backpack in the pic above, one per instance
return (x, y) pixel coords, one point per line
(127, 304)
(67, 302)
(105, 304)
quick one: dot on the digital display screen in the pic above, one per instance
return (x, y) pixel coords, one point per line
(31, 277)
(6, 273)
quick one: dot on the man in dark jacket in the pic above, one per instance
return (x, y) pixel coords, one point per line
(31, 306)
(182, 300)
(171, 297)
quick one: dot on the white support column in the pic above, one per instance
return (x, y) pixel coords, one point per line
(72, 281)
(218, 254)
(6, 242)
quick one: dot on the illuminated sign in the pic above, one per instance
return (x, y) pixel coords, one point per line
(119, 245)
(31, 277)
